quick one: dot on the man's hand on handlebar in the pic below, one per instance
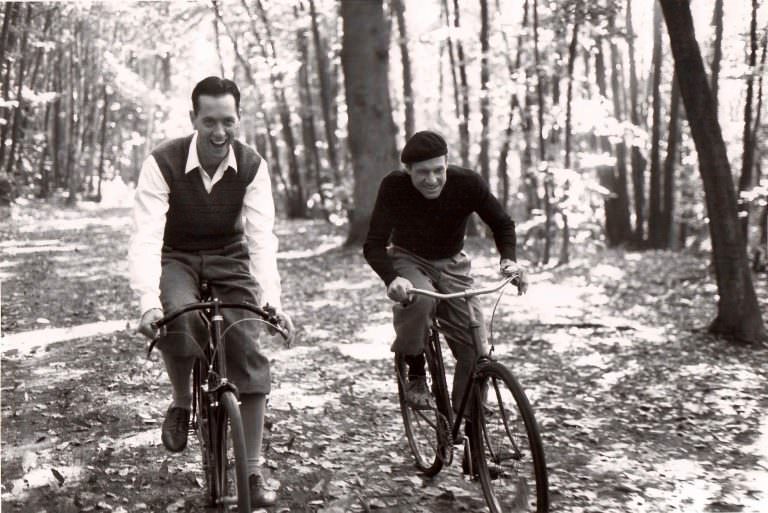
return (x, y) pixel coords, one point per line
(145, 323)
(398, 290)
(287, 324)
(511, 268)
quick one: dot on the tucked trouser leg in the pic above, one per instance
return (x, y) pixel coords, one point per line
(454, 320)
(232, 282)
(412, 321)
(179, 286)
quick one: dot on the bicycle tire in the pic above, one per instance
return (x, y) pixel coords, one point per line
(427, 431)
(506, 434)
(230, 463)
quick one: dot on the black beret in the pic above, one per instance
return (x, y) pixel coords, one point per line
(423, 145)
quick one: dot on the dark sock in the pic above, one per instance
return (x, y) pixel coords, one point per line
(416, 366)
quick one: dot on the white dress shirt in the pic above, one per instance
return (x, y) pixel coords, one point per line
(151, 206)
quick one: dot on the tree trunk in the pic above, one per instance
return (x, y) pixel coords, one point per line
(542, 143)
(620, 205)
(102, 138)
(569, 95)
(326, 93)
(485, 101)
(9, 20)
(673, 139)
(748, 153)
(16, 133)
(217, 42)
(655, 228)
(309, 135)
(638, 161)
(717, 48)
(738, 313)
(452, 60)
(410, 122)
(297, 205)
(371, 129)
(463, 92)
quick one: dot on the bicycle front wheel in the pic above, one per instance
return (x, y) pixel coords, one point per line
(427, 429)
(229, 459)
(510, 460)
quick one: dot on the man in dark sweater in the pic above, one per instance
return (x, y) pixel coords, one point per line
(415, 240)
(204, 211)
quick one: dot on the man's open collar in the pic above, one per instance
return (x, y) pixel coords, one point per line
(193, 161)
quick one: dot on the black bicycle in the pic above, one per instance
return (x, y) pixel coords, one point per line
(215, 416)
(502, 444)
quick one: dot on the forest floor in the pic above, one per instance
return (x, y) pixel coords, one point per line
(640, 409)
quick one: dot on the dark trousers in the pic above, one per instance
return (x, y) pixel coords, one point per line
(226, 270)
(412, 322)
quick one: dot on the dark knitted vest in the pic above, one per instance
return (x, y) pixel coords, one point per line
(197, 220)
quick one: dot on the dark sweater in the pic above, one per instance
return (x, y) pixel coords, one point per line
(198, 220)
(432, 228)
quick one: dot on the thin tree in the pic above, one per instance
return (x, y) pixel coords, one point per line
(371, 129)
(326, 92)
(717, 48)
(655, 228)
(638, 161)
(623, 226)
(572, 48)
(485, 100)
(738, 314)
(542, 144)
(673, 140)
(18, 110)
(748, 152)
(297, 207)
(410, 122)
(309, 135)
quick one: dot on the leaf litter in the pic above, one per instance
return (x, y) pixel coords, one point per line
(640, 409)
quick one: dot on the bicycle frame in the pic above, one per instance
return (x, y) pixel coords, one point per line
(473, 326)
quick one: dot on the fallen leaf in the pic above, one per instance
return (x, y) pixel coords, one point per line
(58, 476)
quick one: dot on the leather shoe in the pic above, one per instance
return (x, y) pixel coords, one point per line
(175, 428)
(261, 496)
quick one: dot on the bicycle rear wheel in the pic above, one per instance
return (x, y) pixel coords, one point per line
(228, 460)
(510, 458)
(427, 430)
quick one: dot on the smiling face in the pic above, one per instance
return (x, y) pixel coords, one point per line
(216, 122)
(428, 176)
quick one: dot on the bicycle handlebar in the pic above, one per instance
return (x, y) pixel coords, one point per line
(514, 278)
(261, 312)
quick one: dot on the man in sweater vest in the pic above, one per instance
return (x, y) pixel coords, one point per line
(415, 240)
(203, 210)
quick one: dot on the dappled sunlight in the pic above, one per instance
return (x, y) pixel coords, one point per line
(28, 341)
(50, 248)
(346, 285)
(366, 350)
(287, 399)
(43, 477)
(382, 334)
(118, 222)
(317, 250)
(320, 304)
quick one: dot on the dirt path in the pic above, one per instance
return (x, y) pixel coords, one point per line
(641, 411)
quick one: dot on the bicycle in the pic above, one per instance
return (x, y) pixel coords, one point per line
(504, 435)
(215, 416)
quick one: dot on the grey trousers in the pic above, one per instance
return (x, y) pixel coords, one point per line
(412, 322)
(226, 270)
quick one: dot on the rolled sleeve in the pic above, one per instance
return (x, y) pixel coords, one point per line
(148, 219)
(259, 213)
